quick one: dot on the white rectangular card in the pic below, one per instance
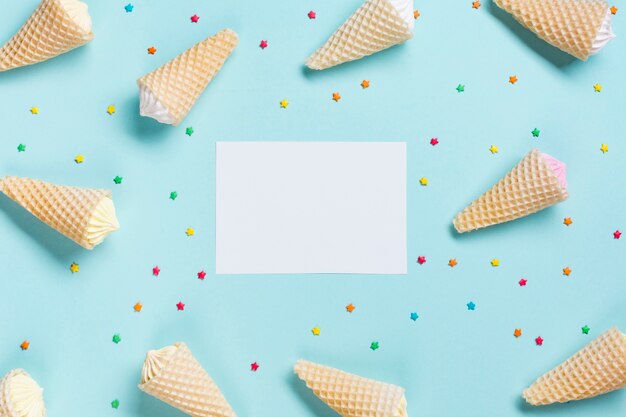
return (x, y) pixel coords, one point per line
(311, 207)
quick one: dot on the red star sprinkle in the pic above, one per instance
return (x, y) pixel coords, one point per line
(311, 14)
(434, 141)
(254, 367)
(539, 341)
(421, 260)
(195, 18)
(617, 234)
(522, 282)
(180, 306)
(156, 271)
(263, 44)
(201, 275)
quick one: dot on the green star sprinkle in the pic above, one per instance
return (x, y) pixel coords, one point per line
(585, 329)
(173, 195)
(374, 346)
(115, 403)
(535, 132)
(118, 179)
(21, 147)
(189, 131)
(460, 88)
(116, 338)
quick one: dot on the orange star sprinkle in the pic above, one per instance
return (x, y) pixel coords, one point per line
(336, 97)
(513, 79)
(365, 83)
(567, 221)
(567, 271)
(350, 308)
(25, 344)
(613, 10)
(416, 14)
(152, 50)
(452, 262)
(476, 4)
(137, 307)
(517, 332)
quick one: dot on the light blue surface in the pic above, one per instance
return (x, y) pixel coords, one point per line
(451, 361)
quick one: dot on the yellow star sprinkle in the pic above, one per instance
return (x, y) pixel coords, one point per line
(494, 149)
(316, 331)
(137, 307)
(495, 262)
(365, 83)
(452, 262)
(34, 110)
(74, 267)
(111, 109)
(190, 231)
(79, 159)
(597, 87)
(284, 103)
(424, 181)
(604, 148)
(613, 10)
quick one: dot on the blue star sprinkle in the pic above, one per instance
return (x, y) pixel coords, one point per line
(414, 316)
(471, 306)
(129, 8)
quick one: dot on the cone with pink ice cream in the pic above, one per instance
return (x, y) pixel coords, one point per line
(538, 181)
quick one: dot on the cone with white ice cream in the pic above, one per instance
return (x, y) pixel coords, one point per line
(598, 368)
(538, 181)
(373, 27)
(55, 27)
(85, 215)
(352, 395)
(21, 396)
(173, 375)
(168, 93)
(579, 27)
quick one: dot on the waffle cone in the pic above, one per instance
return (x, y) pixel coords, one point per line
(185, 385)
(65, 209)
(352, 395)
(570, 25)
(178, 83)
(529, 187)
(375, 26)
(6, 407)
(47, 33)
(598, 368)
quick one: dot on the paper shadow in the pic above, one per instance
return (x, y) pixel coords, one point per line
(551, 53)
(144, 129)
(316, 405)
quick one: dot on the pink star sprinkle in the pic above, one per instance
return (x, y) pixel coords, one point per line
(263, 44)
(311, 14)
(156, 271)
(522, 282)
(617, 234)
(421, 260)
(254, 367)
(539, 341)
(195, 18)
(180, 306)
(434, 141)
(201, 275)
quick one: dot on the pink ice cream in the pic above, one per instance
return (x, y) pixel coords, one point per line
(558, 168)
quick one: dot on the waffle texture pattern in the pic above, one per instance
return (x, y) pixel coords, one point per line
(598, 368)
(570, 25)
(185, 385)
(529, 187)
(47, 33)
(177, 84)
(352, 395)
(375, 26)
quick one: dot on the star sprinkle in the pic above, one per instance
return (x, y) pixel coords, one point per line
(460, 88)
(567, 221)
(471, 306)
(316, 331)
(452, 263)
(152, 50)
(604, 148)
(189, 131)
(416, 14)
(350, 308)
(115, 404)
(522, 282)
(597, 87)
(190, 231)
(513, 79)
(173, 195)
(118, 180)
(284, 103)
(476, 5)
(434, 141)
(79, 159)
(539, 341)
(25, 345)
(613, 10)
(180, 306)
(421, 260)
(129, 8)
(21, 147)
(116, 338)
(156, 271)
(495, 262)
(254, 367)
(365, 84)
(311, 14)
(336, 97)
(424, 181)
(567, 271)
(34, 110)
(74, 268)
(414, 316)
(201, 275)
(494, 149)
(617, 234)
(137, 307)
(195, 18)
(111, 110)
(263, 44)
(585, 329)
(517, 332)
(374, 345)
(535, 132)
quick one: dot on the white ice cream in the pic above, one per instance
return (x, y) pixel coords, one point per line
(605, 34)
(78, 11)
(405, 10)
(103, 222)
(150, 106)
(155, 361)
(25, 395)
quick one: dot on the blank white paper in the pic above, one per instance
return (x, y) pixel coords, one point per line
(311, 207)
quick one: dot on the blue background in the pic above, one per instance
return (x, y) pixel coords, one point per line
(451, 361)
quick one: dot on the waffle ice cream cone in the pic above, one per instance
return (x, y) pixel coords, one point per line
(55, 27)
(577, 27)
(598, 368)
(84, 215)
(536, 183)
(168, 93)
(20, 396)
(376, 25)
(173, 375)
(352, 395)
